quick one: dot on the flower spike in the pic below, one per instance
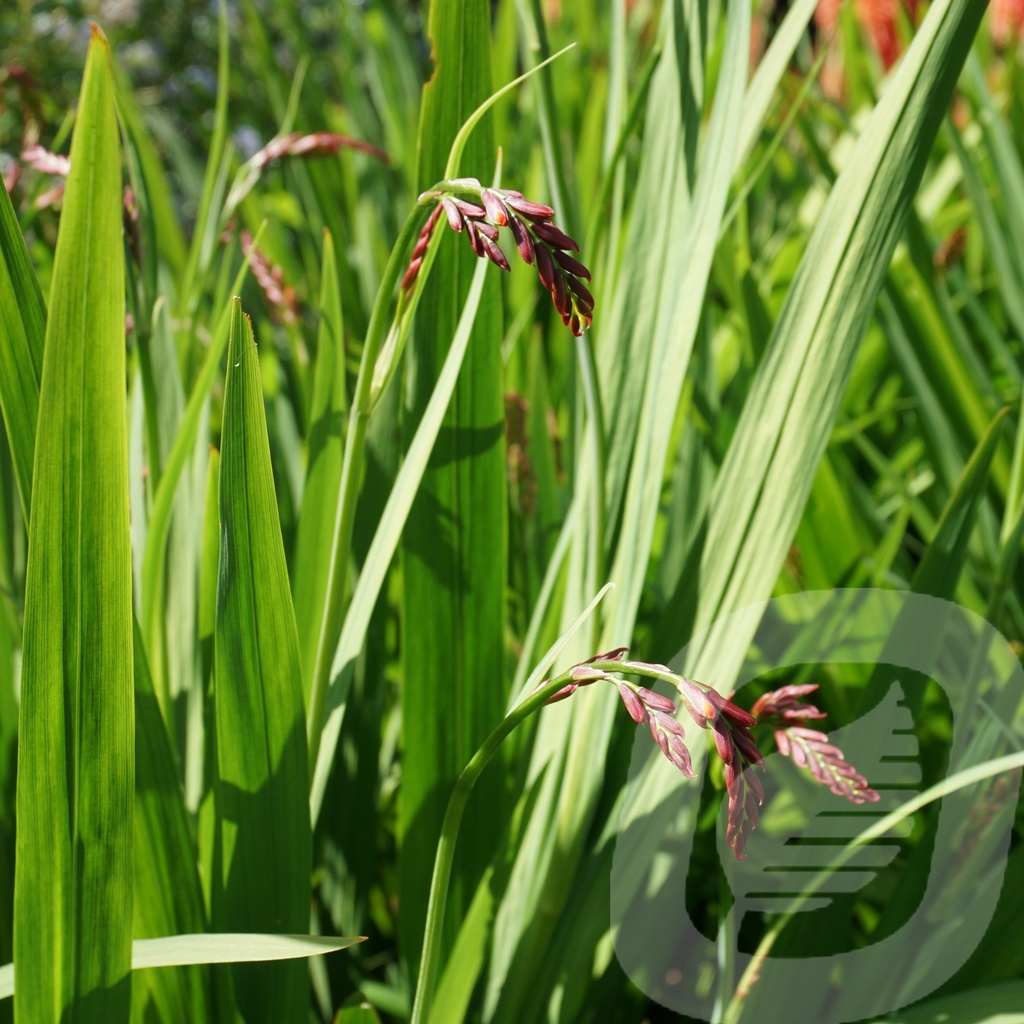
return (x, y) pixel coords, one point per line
(539, 242)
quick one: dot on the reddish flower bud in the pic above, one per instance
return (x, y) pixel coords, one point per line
(583, 674)
(615, 655)
(633, 704)
(531, 211)
(555, 237)
(410, 274)
(656, 701)
(565, 691)
(452, 213)
(561, 297)
(660, 737)
(723, 741)
(470, 209)
(488, 230)
(545, 268)
(680, 756)
(474, 238)
(731, 711)
(523, 240)
(667, 723)
(494, 206)
(581, 292)
(494, 253)
(747, 747)
(573, 266)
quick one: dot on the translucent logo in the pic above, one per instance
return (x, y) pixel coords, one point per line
(781, 942)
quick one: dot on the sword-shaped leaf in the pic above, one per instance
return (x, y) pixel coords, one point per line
(262, 787)
(73, 876)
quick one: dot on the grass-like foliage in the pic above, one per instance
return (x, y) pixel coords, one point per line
(366, 369)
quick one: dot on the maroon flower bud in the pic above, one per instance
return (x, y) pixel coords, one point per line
(576, 326)
(474, 238)
(555, 237)
(660, 737)
(573, 266)
(723, 741)
(470, 209)
(784, 703)
(680, 756)
(453, 214)
(545, 268)
(495, 207)
(731, 711)
(666, 722)
(494, 253)
(696, 703)
(633, 704)
(523, 240)
(488, 230)
(561, 297)
(747, 747)
(615, 655)
(656, 700)
(754, 783)
(583, 674)
(410, 274)
(565, 691)
(531, 211)
(581, 291)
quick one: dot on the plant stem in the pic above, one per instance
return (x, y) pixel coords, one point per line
(351, 477)
(449, 834)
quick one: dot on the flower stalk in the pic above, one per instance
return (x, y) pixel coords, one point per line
(430, 959)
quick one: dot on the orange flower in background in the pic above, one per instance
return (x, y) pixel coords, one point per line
(878, 19)
(1007, 20)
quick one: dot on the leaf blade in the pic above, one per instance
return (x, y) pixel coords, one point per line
(73, 881)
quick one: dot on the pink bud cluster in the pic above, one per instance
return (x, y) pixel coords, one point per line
(810, 748)
(315, 144)
(539, 241)
(279, 295)
(729, 725)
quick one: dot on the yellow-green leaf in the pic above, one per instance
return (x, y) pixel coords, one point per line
(262, 788)
(73, 877)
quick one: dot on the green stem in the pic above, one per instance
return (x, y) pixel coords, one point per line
(449, 834)
(351, 476)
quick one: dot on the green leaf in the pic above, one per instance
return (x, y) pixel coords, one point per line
(323, 477)
(943, 560)
(997, 1004)
(216, 948)
(233, 948)
(22, 325)
(358, 1013)
(159, 525)
(386, 540)
(73, 882)
(453, 585)
(772, 459)
(262, 772)
(168, 899)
